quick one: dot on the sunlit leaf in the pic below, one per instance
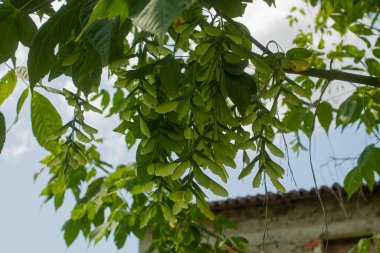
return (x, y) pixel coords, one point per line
(7, 85)
(45, 120)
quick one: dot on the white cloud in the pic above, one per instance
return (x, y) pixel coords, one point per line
(22, 141)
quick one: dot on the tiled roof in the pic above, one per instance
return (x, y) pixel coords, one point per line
(295, 195)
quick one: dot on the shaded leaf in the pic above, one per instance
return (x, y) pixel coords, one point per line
(353, 181)
(158, 15)
(26, 28)
(8, 35)
(2, 131)
(298, 53)
(55, 30)
(325, 115)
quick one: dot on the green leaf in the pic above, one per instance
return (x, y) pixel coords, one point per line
(144, 128)
(121, 233)
(145, 217)
(325, 115)
(166, 170)
(278, 185)
(168, 214)
(180, 170)
(373, 67)
(8, 35)
(240, 89)
(364, 245)
(82, 137)
(205, 209)
(274, 150)
(170, 77)
(158, 15)
(218, 189)
(216, 169)
(271, 2)
(21, 100)
(247, 170)
(55, 30)
(99, 232)
(353, 181)
(87, 70)
(7, 85)
(99, 32)
(45, 120)
(368, 162)
(107, 9)
(231, 8)
(26, 29)
(376, 52)
(3, 131)
(298, 53)
(260, 65)
(71, 229)
(201, 178)
(167, 107)
(257, 180)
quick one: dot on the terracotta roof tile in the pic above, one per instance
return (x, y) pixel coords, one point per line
(293, 195)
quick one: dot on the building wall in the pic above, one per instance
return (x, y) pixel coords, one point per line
(297, 225)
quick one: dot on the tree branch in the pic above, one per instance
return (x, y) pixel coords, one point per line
(339, 75)
(314, 72)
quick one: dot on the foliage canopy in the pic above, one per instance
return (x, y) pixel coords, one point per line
(191, 92)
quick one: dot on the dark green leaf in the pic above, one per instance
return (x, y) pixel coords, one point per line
(369, 163)
(240, 89)
(158, 15)
(170, 76)
(56, 30)
(376, 52)
(26, 29)
(231, 8)
(271, 2)
(373, 67)
(8, 35)
(71, 229)
(325, 115)
(121, 232)
(87, 70)
(235, 68)
(3, 131)
(136, 6)
(353, 181)
(298, 53)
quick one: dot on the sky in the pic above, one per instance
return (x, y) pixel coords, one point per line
(29, 225)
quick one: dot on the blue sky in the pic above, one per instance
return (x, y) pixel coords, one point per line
(28, 225)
